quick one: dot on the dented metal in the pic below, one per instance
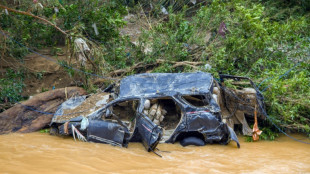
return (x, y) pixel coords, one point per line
(197, 113)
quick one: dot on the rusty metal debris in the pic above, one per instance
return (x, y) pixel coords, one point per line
(237, 104)
(155, 107)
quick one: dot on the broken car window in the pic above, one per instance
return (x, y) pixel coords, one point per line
(165, 113)
(125, 111)
(196, 100)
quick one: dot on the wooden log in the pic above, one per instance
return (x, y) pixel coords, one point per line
(20, 118)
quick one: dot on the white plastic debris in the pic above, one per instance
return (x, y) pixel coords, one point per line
(135, 43)
(193, 2)
(82, 47)
(215, 98)
(40, 5)
(164, 11)
(6, 11)
(81, 44)
(207, 66)
(147, 49)
(84, 123)
(95, 29)
(56, 10)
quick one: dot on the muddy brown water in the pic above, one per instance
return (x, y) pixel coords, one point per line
(42, 153)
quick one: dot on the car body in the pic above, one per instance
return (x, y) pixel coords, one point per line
(191, 111)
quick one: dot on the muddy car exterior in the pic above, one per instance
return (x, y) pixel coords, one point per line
(182, 108)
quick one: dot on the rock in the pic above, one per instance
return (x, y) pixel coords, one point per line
(153, 110)
(130, 18)
(156, 122)
(20, 118)
(161, 118)
(147, 104)
(146, 112)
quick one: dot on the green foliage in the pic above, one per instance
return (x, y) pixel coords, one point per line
(73, 17)
(44, 89)
(257, 44)
(259, 47)
(165, 40)
(282, 10)
(106, 16)
(267, 134)
(116, 54)
(288, 99)
(252, 39)
(44, 131)
(11, 86)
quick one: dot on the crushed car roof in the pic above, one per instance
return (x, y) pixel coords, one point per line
(154, 84)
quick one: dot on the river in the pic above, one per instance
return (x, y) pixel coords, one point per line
(41, 153)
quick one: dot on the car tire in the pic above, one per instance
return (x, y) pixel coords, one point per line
(192, 141)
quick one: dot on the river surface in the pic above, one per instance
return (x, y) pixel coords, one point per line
(45, 154)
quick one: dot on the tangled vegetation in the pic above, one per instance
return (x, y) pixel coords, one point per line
(268, 41)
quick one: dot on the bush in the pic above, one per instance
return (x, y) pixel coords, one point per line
(261, 48)
(11, 86)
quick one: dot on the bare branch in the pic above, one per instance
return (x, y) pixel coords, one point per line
(34, 16)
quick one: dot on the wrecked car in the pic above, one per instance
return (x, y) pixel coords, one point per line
(148, 108)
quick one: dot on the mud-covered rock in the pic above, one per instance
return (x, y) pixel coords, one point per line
(25, 117)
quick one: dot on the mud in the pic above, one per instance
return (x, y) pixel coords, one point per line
(89, 105)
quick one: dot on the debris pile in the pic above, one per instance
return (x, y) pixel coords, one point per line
(156, 112)
(239, 104)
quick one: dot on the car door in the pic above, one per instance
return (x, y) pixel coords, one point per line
(116, 124)
(149, 132)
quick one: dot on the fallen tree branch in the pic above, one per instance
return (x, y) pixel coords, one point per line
(34, 16)
(121, 72)
(294, 127)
